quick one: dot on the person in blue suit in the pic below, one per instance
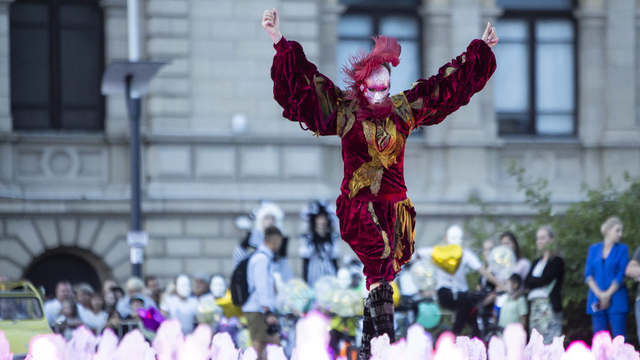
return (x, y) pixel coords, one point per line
(607, 301)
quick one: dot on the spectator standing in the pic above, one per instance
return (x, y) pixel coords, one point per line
(108, 285)
(633, 271)
(69, 319)
(84, 292)
(113, 322)
(544, 283)
(485, 286)
(53, 307)
(453, 289)
(513, 307)
(607, 300)
(95, 317)
(134, 287)
(220, 293)
(182, 306)
(523, 265)
(153, 288)
(260, 304)
(201, 284)
(320, 247)
(267, 215)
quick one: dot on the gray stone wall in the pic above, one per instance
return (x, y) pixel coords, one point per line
(199, 173)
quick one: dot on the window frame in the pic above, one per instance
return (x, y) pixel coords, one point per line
(54, 29)
(530, 17)
(379, 12)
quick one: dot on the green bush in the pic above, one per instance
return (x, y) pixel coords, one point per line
(576, 229)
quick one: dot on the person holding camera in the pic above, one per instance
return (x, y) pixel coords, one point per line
(262, 323)
(607, 301)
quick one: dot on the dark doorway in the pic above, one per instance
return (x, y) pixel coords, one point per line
(63, 264)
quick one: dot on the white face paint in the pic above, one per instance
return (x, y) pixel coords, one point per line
(344, 278)
(218, 286)
(455, 235)
(183, 286)
(376, 87)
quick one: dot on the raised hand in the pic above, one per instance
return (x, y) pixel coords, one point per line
(271, 23)
(490, 37)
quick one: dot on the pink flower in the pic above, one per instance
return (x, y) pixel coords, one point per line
(168, 340)
(515, 339)
(133, 347)
(419, 343)
(5, 348)
(380, 348)
(578, 350)
(82, 345)
(497, 350)
(222, 347)
(107, 346)
(196, 344)
(446, 349)
(47, 347)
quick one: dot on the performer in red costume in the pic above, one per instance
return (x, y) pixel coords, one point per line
(376, 217)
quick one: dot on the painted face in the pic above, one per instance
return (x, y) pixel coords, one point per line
(218, 287)
(183, 286)
(344, 278)
(376, 87)
(455, 235)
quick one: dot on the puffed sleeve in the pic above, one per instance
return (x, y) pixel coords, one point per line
(306, 95)
(432, 99)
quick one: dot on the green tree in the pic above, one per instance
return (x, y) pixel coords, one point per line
(576, 230)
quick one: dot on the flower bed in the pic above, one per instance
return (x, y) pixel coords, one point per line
(312, 342)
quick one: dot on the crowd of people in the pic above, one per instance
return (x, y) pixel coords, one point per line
(530, 295)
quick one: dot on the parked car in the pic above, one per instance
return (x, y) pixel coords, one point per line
(21, 315)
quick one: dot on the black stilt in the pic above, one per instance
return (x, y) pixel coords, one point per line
(368, 332)
(381, 302)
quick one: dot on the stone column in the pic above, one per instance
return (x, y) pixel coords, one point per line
(115, 43)
(330, 11)
(620, 36)
(436, 45)
(6, 123)
(592, 82)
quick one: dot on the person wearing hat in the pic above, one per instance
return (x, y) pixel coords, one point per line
(376, 217)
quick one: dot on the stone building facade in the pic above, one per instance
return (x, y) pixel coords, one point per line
(65, 193)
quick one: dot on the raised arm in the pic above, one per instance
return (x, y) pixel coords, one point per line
(433, 99)
(306, 95)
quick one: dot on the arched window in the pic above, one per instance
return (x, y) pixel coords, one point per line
(535, 82)
(57, 60)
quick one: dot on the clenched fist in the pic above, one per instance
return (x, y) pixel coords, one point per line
(271, 23)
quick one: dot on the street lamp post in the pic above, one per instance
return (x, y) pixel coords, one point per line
(132, 77)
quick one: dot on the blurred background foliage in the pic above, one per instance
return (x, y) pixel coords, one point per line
(577, 228)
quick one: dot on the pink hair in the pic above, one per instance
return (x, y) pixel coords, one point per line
(385, 50)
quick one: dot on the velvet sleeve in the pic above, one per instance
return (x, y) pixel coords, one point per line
(306, 95)
(432, 99)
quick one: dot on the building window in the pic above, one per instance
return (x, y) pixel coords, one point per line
(57, 60)
(397, 18)
(535, 82)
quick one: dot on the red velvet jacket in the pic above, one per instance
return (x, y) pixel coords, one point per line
(373, 149)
